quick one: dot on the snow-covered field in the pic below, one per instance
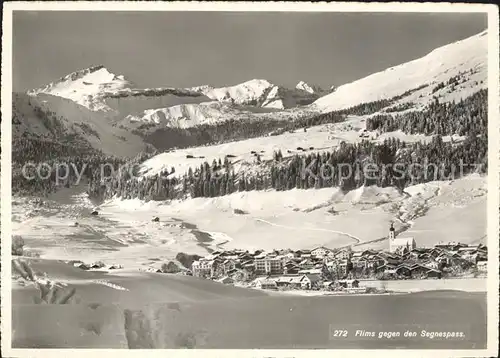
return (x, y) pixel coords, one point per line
(124, 233)
(319, 138)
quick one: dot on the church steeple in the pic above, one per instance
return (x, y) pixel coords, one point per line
(392, 232)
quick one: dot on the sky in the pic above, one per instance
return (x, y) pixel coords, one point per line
(183, 49)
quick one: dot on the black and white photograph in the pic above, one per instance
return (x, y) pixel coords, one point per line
(280, 179)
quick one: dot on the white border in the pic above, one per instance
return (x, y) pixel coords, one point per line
(493, 163)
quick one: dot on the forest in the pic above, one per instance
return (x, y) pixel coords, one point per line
(466, 117)
(393, 163)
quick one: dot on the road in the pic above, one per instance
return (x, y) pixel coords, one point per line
(354, 238)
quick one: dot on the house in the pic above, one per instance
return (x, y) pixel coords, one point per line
(321, 251)
(482, 266)
(432, 264)
(356, 255)
(343, 254)
(203, 268)
(328, 285)
(268, 266)
(265, 283)
(433, 273)
(348, 283)
(292, 281)
(306, 264)
(291, 268)
(309, 281)
(450, 246)
(240, 274)
(403, 270)
(290, 255)
(303, 253)
(228, 265)
(313, 271)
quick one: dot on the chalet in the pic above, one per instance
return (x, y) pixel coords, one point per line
(348, 283)
(289, 281)
(482, 266)
(240, 274)
(306, 264)
(343, 254)
(309, 281)
(403, 270)
(431, 264)
(450, 246)
(303, 252)
(356, 255)
(433, 273)
(245, 256)
(368, 252)
(291, 268)
(328, 285)
(386, 268)
(321, 251)
(229, 264)
(265, 283)
(313, 271)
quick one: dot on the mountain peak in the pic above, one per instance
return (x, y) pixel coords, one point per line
(304, 86)
(84, 85)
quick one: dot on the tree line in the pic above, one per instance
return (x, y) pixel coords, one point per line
(469, 116)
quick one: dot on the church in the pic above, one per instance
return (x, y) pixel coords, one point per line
(400, 244)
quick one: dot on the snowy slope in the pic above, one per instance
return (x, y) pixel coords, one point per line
(320, 138)
(437, 66)
(70, 119)
(190, 115)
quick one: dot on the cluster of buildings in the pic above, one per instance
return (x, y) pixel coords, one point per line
(325, 268)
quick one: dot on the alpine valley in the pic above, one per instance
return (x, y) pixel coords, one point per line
(115, 187)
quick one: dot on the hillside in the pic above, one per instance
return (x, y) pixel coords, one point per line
(62, 121)
(419, 78)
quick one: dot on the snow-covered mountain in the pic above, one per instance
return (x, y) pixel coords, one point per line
(97, 88)
(451, 72)
(260, 93)
(309, 88)
(466, 58)
(253, 98)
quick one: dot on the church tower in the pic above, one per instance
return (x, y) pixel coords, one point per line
(392, 236)
(392, 232)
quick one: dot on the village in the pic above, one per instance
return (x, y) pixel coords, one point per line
(325, 269)
(341, 269)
